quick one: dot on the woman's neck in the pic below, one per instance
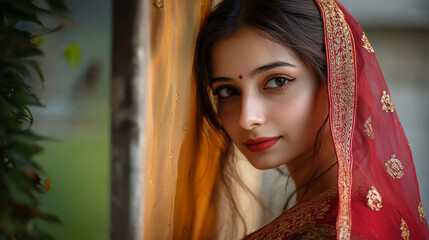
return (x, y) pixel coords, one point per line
(320, 170)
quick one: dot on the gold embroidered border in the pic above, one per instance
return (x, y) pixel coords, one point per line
(341, 62)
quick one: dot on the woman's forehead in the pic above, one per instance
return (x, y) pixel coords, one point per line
(246, 50)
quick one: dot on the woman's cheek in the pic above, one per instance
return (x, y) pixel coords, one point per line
(295, 119)
(228, 119)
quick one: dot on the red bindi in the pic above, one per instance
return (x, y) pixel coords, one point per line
(241, 76)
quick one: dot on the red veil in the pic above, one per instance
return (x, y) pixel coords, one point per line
(377, 194)
(372, 150)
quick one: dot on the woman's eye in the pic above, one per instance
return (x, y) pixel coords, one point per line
(225, 92)
(276, 82)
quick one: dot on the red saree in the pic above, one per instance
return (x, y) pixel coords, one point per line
(377, 194)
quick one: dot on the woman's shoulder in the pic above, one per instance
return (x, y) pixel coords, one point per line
(312, 219)
(316, 219)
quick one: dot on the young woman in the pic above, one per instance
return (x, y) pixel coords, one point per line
(297, 83)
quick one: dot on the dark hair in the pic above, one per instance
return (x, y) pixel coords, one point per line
(295, 24)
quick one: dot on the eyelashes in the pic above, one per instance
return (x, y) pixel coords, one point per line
(273, 83)
(278, 82)
(225, 91)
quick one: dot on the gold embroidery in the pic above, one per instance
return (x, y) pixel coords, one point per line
(374, 199)
(422, 214)
(366, 44)
(185, 128)
(368, 128)
(298, 218)
(158, 4)
(387, 102)
(341, 57)
(394, 167)
(316, 231)
(405, 234)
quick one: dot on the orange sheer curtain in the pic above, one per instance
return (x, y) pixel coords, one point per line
(180, 165)
(176, 196)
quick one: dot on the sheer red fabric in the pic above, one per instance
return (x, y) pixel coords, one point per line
(377, 195)
(371, 146)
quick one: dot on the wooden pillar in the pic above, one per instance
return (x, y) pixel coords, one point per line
(127, 119)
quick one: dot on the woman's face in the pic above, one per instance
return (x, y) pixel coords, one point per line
(269, 102)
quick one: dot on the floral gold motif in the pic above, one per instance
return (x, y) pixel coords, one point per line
(366, 44)
(387, 103)
(422, 214)
(158, 4)
(374, 199)
(368, 128)
(394, 167)
(405, 234)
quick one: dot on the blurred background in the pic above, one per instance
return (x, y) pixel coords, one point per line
(76, 95)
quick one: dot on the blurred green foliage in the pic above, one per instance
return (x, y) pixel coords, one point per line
(80, 191)
(72, 55)
(19, 173)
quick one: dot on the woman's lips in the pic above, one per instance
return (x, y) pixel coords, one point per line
(261, 144)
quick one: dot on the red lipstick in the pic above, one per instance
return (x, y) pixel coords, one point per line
(261, 144)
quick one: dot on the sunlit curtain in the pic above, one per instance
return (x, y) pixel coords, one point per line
(171, 143)
(180, 167)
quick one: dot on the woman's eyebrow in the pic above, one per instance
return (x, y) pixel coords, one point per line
(220, 79)
(256, 71)
(271, 66)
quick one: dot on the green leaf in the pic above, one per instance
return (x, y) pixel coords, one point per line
(47, 216)
(72, 55)
(23, 97)
(36, 67)
(24, 10)
(22, 161)
(25, 150)
(39, 41)
(29, 136)
(23, 116)
(58, 5)
(16, 67)
(18, 189)
(28, 50)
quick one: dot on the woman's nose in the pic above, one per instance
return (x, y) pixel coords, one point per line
(251, 113)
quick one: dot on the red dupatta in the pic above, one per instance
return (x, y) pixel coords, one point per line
(372, 150)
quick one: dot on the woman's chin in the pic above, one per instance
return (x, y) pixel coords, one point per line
(263, 164)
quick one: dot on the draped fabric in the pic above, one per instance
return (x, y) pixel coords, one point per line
(177, 186)
(377, 194)
(377, 186)
(180, 162)
(372, 150)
